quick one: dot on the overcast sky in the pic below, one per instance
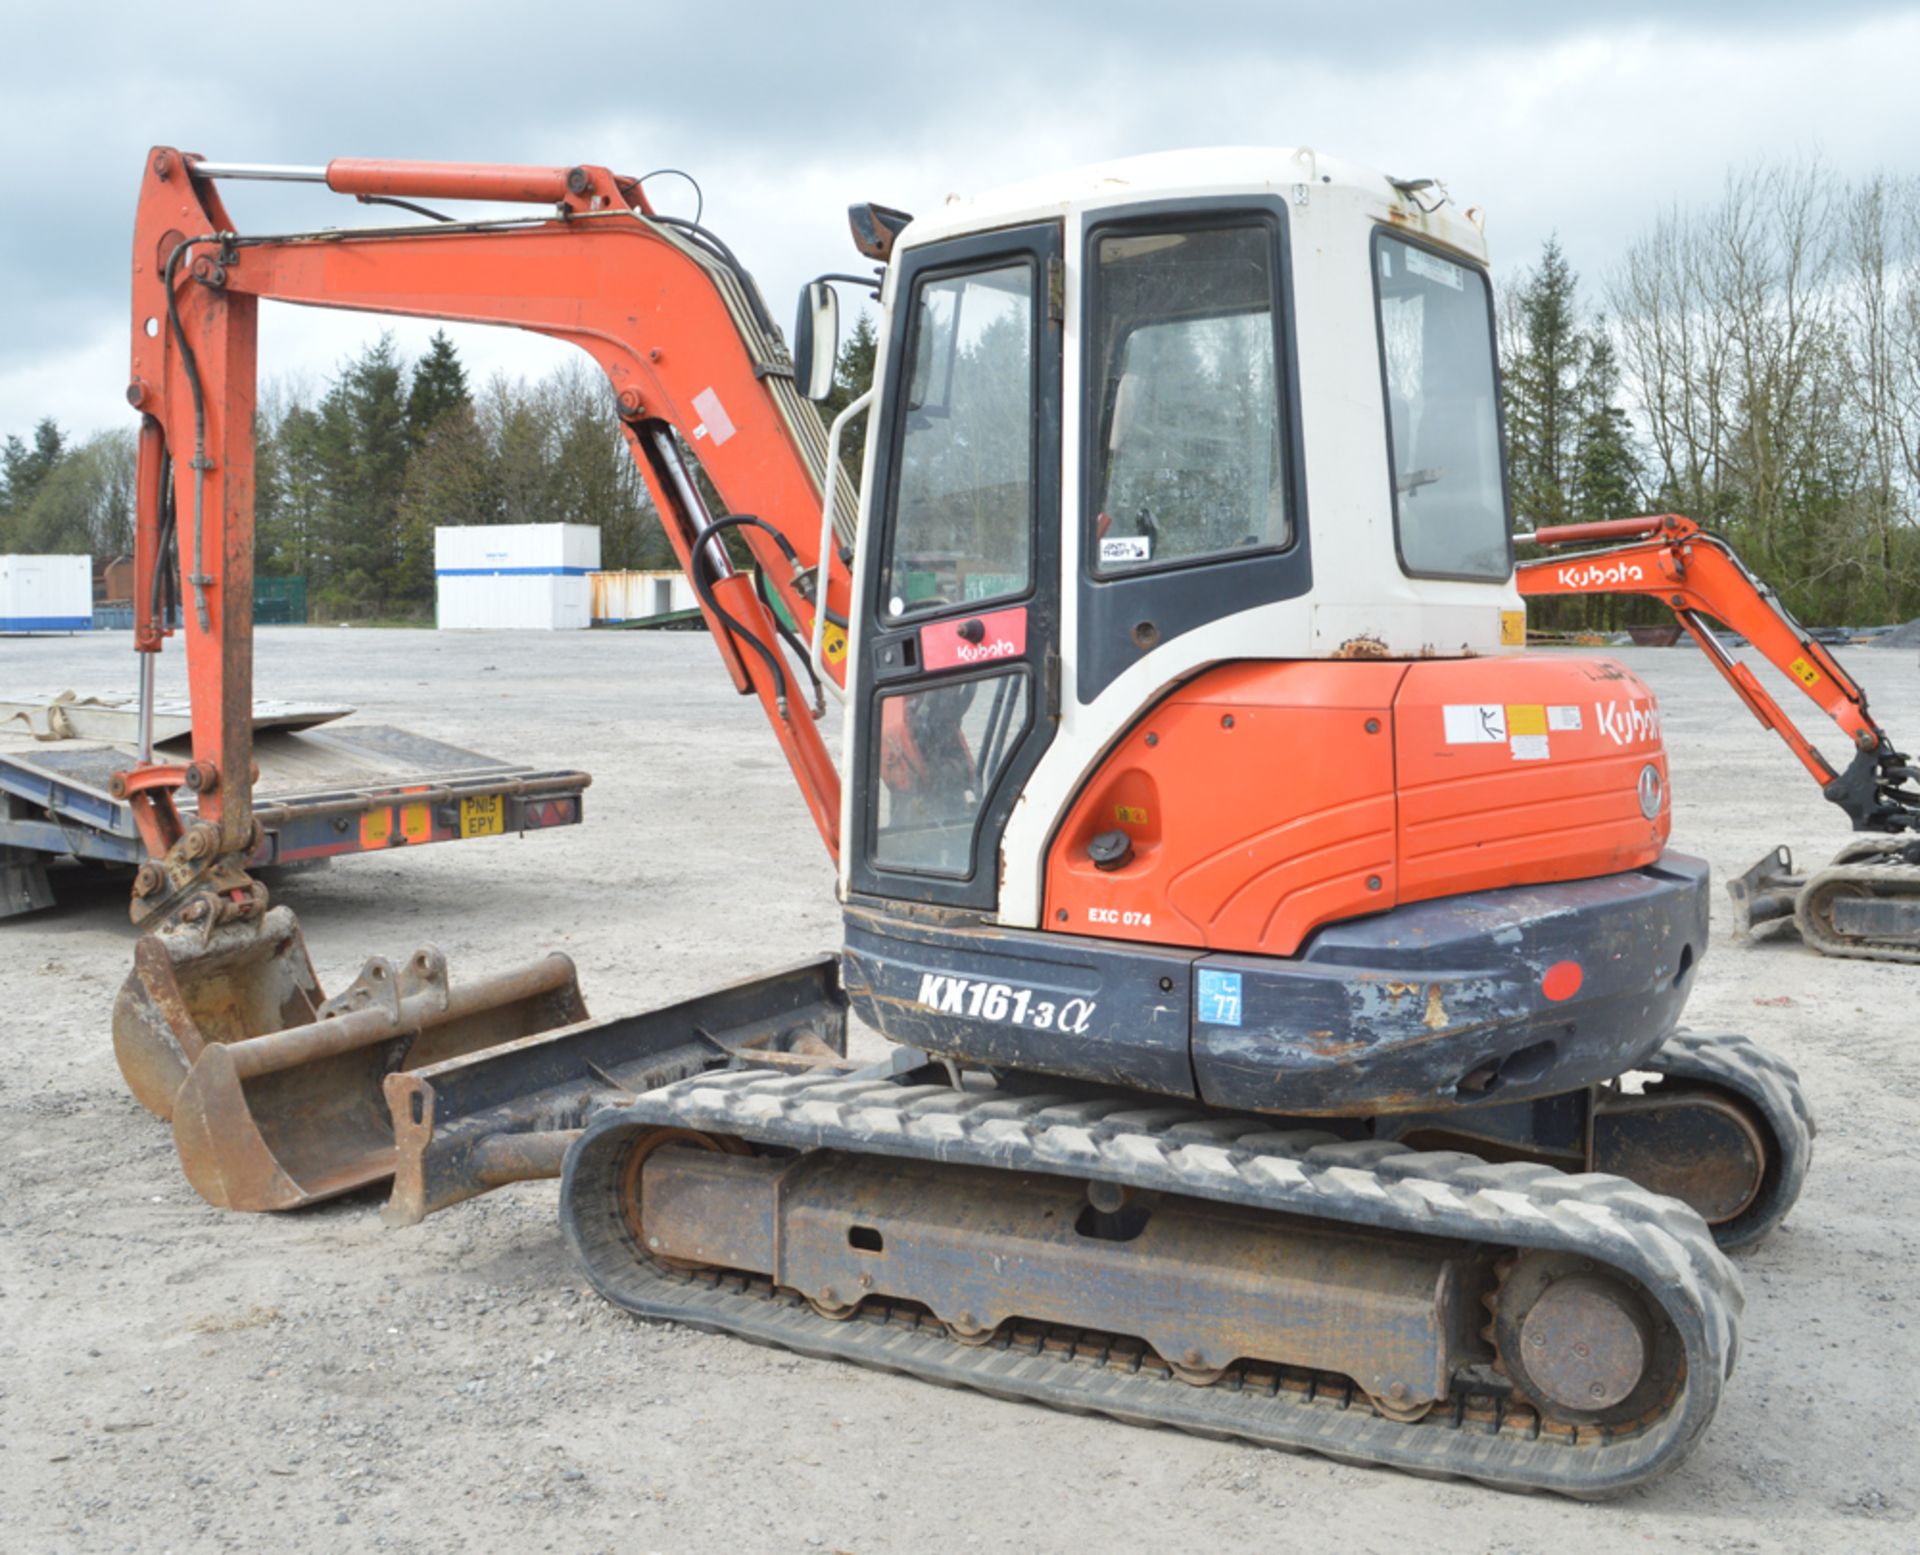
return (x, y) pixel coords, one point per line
(1582, 119)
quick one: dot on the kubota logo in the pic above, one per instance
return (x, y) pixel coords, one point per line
(1628, 723)
(973, 653)
(1592, 577)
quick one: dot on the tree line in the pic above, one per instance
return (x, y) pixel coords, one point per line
(62, 497)
(1753, 363)
(351, 482)
(350, 486)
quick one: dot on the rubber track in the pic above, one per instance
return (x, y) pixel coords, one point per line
(1656, 1241)
(1905, 880)
(1771, 1086)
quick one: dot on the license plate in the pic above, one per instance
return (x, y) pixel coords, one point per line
(485, 815)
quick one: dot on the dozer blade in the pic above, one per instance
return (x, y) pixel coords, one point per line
(1765, 893)
(275, 1093)
(505, 1114)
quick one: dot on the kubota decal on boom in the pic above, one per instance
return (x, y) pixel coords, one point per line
(1592, 577)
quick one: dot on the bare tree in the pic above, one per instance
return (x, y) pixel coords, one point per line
(1771, 345)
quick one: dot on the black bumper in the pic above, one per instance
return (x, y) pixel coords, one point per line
(1436, 1005)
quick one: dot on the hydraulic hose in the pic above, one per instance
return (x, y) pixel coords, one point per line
(737, 630)
(199, 579)
(798, 648)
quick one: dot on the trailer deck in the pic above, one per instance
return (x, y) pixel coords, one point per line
(325, 789)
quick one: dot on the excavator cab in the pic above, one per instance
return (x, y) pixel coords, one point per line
(1161, 719)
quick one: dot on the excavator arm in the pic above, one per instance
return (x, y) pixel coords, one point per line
(1674, 560)
(660, 304)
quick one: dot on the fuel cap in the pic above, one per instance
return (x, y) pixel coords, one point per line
(1110, 850)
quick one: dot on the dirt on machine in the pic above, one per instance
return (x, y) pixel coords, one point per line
(1283, 970)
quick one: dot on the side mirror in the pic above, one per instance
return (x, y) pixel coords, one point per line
(816, 340)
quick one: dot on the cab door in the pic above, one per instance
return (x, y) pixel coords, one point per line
(959, 681)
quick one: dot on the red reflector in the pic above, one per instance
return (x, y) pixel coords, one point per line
(1562, 981)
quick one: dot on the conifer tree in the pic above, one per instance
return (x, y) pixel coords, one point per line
(1543, 388)
(439, 386)
(852, 377)
(361, 446)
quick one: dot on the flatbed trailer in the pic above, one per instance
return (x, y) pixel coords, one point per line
(322, 793)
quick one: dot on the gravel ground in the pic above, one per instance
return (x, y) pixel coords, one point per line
(173, 1378)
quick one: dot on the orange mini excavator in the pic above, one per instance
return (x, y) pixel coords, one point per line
(1263, 936)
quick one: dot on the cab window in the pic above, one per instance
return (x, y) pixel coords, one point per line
(963, 504)
(1189, 461)
(1443, 418)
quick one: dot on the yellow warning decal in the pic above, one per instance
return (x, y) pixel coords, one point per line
(416, 822)
(1137, 814)
(376, 826)
(1805, 672)
(1513, 628)
(833, 644)
(1528, 719)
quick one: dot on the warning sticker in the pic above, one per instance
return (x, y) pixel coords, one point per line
(1132, 813)
(1475, 723)
(1561, 719)
(1526, 718)
(714, 421)
(1805, 672)
(1126, 548)
(1529, 747)
(833, 644)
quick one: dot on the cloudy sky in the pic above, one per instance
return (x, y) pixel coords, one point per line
(1580, 119)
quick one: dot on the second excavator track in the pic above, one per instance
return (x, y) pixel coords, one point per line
(1769, 1085)
(1846, 876)
(1485, 1429)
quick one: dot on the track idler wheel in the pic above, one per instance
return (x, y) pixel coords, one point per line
(1584, 1346)
(631, 1201)
(1691, 1142)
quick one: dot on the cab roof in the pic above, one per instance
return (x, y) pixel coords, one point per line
(1225, 171)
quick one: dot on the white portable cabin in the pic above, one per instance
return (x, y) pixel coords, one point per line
(46, 593)
(516, 576)
(640, 596)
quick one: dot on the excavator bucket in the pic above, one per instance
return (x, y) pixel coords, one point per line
(189, 990)
(275, 1092)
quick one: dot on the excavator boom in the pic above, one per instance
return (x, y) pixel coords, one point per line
(1672, 559)
(275, 1091)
